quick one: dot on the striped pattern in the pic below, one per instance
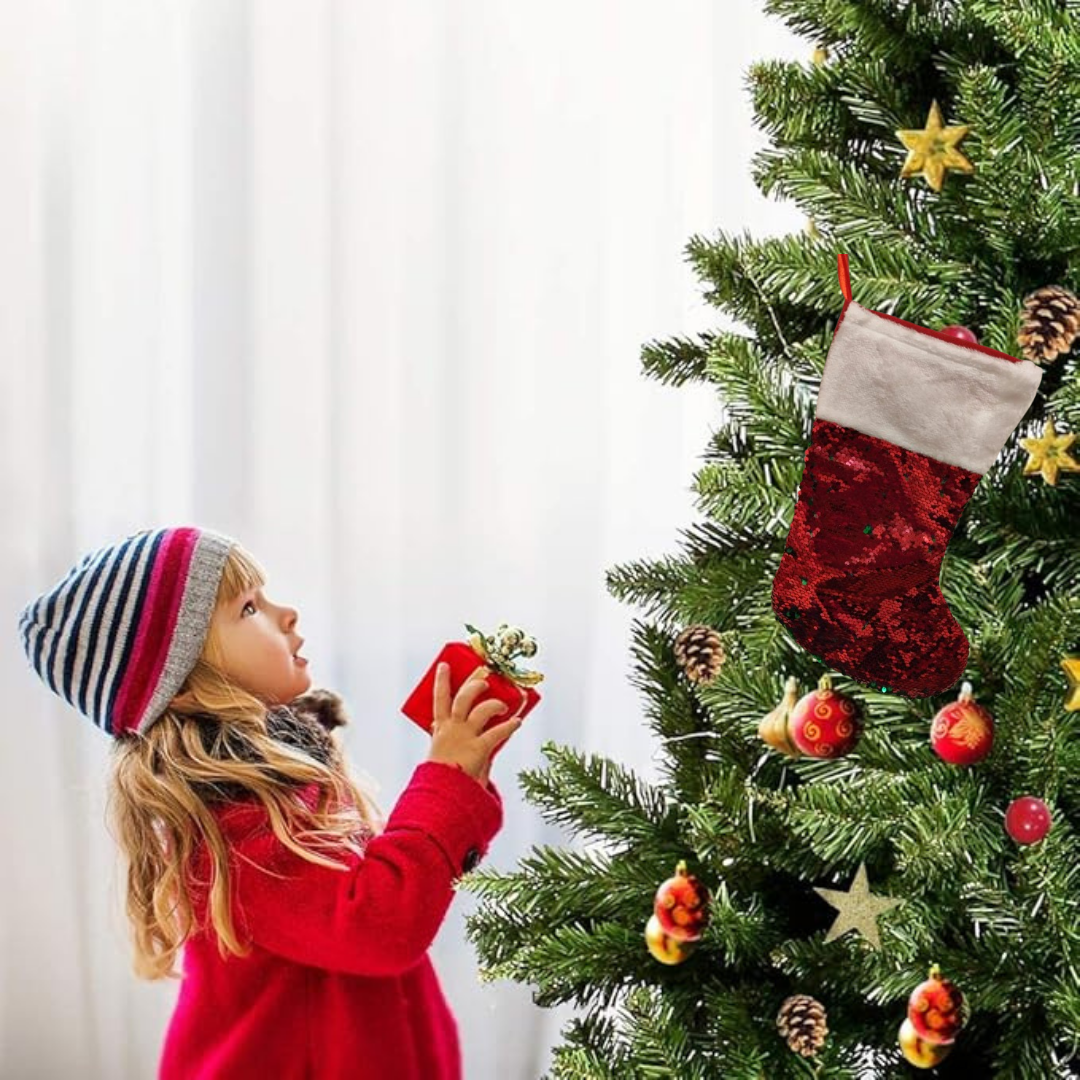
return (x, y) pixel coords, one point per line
(119, 633)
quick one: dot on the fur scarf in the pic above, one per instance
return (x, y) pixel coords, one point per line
(306, 723)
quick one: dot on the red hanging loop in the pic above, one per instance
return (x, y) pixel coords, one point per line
(845, 276)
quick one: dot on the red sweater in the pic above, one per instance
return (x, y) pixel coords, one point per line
(339, 985)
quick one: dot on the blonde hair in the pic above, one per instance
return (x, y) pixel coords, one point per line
(213, 740)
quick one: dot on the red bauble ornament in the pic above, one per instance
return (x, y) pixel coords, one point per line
(825, 723)
(960, 333)
(1027, 820)
(963, 731)
(936, 1009)
(682, 905)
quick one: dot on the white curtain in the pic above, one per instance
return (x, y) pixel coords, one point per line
(364, 285)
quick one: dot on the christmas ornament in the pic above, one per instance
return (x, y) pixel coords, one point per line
(922, 1054)
(963, 731)
(1049, 454)
(812, 229)
(1071, 664)
(803, 1023)
(933, 149)
(664, 947)
(960, 333)
(774, 726)
(682, 905)
(1028, 819)
(858, 909)
(825, 723)
(1050, 323)
(936, 1009)
(884, 484)
(506, 682)
(819, 55)
(700, 653)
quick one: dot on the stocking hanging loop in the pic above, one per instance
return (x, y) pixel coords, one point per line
(845, 276)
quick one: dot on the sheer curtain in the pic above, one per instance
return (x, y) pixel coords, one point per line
(365, 286)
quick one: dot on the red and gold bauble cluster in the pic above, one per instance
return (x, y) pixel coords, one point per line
(680, 916)
(935, 1015)
(822, 724)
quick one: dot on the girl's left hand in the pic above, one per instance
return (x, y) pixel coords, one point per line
(483, 777)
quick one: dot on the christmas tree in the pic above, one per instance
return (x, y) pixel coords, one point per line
(837, 879)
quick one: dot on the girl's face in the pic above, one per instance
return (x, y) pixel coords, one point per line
(258, 641)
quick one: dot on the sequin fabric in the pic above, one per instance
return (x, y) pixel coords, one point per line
(857, 584)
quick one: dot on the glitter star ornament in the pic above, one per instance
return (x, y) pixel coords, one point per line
(933, 149)
(858, 909)
(1050, 454)
(1071, 664)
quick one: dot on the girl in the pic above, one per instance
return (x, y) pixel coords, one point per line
(304, 916)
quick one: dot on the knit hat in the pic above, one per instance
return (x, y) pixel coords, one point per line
(117, 636)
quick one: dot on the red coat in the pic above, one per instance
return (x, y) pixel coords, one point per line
(339, 984)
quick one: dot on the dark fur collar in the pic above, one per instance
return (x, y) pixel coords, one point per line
(305, 722)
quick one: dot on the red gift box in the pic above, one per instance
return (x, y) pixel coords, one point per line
(464, 660)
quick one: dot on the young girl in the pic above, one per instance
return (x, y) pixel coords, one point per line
(304, 916)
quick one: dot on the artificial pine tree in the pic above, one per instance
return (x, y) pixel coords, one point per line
(939, 145)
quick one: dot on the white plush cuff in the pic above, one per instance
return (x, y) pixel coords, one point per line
(939, 398)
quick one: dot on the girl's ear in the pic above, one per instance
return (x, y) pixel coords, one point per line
(326, 706)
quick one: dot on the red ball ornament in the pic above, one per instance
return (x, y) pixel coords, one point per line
(963, 731)
(682, 905)
(1027, 820)
(961, 334)
(936, 1009)
(825, 723)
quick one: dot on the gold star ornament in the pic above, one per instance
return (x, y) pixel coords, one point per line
(858, 909)
(1050, 454)
(1071, 664)
(933, 149)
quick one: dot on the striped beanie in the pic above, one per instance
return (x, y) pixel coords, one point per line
(117, 636)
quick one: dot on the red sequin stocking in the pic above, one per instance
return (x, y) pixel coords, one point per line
(907, 422)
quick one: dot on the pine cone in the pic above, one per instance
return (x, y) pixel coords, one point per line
(1051, 322)
(700, 653)
(802, 1022)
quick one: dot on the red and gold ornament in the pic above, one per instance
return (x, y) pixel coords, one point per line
(1028, 819)
(936, 1009)
(680, 915)
(963, 731)
(682, 905)
(822, 724)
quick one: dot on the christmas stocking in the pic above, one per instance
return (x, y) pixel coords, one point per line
(907, 421)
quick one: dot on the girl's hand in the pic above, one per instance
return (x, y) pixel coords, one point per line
(457, 735)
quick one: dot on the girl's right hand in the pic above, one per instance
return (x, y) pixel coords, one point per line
(457, 735)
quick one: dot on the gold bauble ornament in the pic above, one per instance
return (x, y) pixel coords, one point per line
(820, 55)
(664, 947)
(921, 1054)
(773, 728)
(1049, 454)
(933, 149)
